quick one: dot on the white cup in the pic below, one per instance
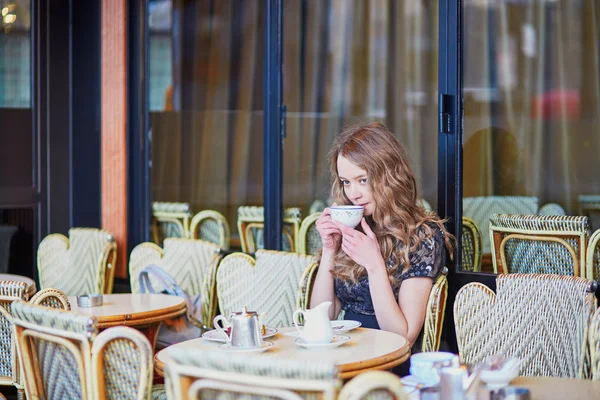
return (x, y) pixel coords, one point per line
(347, 215)
(422, 366)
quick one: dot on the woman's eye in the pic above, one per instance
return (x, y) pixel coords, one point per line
(363, 181)
(345, 182)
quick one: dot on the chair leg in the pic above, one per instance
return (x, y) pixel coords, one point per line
(21, 394)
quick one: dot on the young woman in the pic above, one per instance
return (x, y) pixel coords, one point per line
(382, 272)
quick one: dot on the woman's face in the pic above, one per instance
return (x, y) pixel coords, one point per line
(356, 184)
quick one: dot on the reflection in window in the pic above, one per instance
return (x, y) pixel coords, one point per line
(15, 53)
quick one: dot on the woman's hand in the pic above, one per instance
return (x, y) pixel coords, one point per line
(330, 233)
(363, 248)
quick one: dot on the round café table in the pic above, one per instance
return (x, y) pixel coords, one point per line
(31, 288)
(143, 312)
(367, 349)
(558, 388)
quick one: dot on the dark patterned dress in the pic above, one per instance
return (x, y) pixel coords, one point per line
(426, 261)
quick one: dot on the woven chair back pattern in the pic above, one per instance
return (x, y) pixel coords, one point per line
(52, 298)
(471, 242)
(251, 228)
(270, 284)
(593, 257)
(539, 244)
(594, 344)
(309, 379)
(141, 256)
(479, 210)
(122, 364)
(9, 292)
(541, 319)
(58, 350)
(309, 239)
(211, 226)
(434, 318)
(83, 259)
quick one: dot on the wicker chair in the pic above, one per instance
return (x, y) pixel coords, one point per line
(191, 262)
(195, 374)
(170, 220)
(594, 344)
(55, 351)
(251, 225)
(539, 244)
(268, 283)
(541, 319)
(210, 226)
(589, 206)
(9, 366)
(87, 257)
(52, 298)
(471, 242)
(552, 209)
(434, 318)
(593, 256)
(121, 365)
(373, 385)
(479, 210)
(309, 239)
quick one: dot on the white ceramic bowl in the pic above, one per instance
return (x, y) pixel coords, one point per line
(421, 366)
(347, 215)
(500, 378)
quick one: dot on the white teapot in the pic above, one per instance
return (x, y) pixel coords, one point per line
(317, 327)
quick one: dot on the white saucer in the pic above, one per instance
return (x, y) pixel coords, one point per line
(227, 347)
(217, 336)
(344, 325)
(337, 340)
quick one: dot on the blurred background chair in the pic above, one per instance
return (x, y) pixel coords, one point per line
(192, 263)
(374, 385)
(471, 242)
(594, 343)
(170, 219)
(55, 350)
(270, 283)
(593, 256)
(552, 209)
(540, 319)
(539, 244)
(210, 226)
(589, 206)
(52, 298)
(434, 318)
(121, 365)
(196, 374)
(10, 374)
(309, 239)
(251, 226)
(87, 258)
(7, 232)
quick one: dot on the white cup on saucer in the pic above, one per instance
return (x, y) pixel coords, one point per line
(422, 366)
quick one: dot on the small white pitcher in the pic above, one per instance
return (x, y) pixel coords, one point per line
(317, 327)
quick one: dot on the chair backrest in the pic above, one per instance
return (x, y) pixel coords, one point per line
(87, 257)
(589, 206)
(195, 374)
(307, 281)
(479, 210)
(374, 385)
(471, 243)
(55, 351)
(191, 262)
(52, 298)
(268, 283)
(170, 219)
(251, 225)
(9, 292)
(539, 244)
(593, 257)
(594, 344)
(541, 319)
(122, 365)
(552, 209)
(211, 226)
(434, 318)
(309, 239)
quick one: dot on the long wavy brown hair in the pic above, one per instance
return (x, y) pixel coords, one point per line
(399, 221)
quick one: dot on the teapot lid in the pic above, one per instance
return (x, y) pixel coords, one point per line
(245, 312)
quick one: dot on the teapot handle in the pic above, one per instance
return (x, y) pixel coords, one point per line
(218, 327)
(295, 319)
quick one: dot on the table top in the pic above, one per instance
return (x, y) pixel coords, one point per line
(367, 349)
(558, 388)
(132, 309)
(31, 288)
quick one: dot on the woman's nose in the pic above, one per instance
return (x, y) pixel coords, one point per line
(354, 192)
